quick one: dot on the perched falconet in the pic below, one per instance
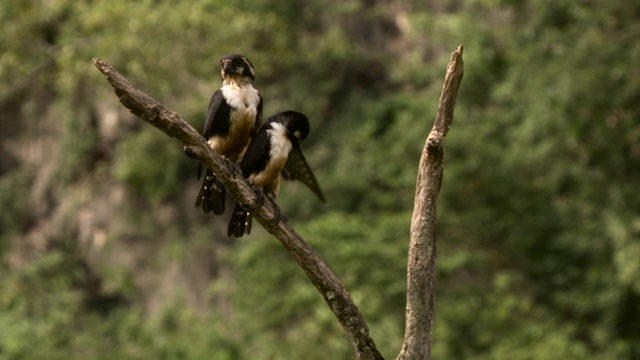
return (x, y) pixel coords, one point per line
(234, 116)
(274, 150)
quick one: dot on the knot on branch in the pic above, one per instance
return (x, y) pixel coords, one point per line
(191, 151)
(435, 142)
(157, 109)
(234, 169)
(256, 199)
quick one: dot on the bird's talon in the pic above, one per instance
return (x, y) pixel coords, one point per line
(279, 217)
(259, 199)
(233, 166)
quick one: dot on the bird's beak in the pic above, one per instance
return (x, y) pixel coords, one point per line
(227, 68)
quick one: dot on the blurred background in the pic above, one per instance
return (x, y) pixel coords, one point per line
(104, 256)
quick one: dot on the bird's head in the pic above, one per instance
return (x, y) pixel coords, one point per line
(236, 68)
(297, 126)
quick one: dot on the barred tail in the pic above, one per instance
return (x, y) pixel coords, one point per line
(240, 222)
(212, 195)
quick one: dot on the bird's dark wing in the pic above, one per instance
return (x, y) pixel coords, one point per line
(258, 123)
(218, 122)
(257, 154)
(297, 168)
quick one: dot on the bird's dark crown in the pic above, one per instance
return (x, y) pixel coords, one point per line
(296, 123)
(236, 66)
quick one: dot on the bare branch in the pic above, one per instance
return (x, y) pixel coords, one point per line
(172, 124)
(422, 248)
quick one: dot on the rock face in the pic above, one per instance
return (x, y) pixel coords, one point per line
(59, 193)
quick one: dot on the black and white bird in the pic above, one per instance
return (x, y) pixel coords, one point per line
(274, 150)
(234, 116)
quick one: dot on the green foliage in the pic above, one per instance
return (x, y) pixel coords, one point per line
(286, 309)
(149, 166)
(44, 315)
(13, 191)
(563, 143)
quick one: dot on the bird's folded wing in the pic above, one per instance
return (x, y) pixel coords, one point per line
(297, 168)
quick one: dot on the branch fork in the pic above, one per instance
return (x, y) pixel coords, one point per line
(422, 249)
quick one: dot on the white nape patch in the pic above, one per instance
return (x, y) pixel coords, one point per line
(280, 143)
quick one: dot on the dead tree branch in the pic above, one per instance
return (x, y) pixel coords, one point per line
(195, 146)
(421, 267)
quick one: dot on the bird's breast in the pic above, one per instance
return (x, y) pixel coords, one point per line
(241, 98)
(244, 101)
(279, 148)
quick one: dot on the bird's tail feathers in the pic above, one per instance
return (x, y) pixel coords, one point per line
(212, 195)
(240, 222)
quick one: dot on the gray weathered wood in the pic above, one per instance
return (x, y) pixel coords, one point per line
(421, 267)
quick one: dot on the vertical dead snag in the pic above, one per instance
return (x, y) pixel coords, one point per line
(421, 268)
